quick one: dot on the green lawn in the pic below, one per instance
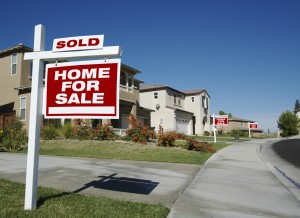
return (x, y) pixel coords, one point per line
(53, 203)
(122, 151)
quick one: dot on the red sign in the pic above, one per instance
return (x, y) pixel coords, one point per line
(253, 125)
(85, 89)
(78, 43)
(221, 121)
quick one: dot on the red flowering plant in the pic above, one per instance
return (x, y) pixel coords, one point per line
(136, 132)
(167, 139)
(195, 145)
(103, 132)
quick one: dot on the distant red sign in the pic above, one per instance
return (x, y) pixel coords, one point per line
(85, 89)
(221, 121)
(253, 126)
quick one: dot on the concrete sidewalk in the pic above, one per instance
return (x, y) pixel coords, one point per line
(125, 180)
(236, 182)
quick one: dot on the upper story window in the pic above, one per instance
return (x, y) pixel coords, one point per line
(14, 64)
(193, 99)
(177, 99)
(155, 95)
(22, 108)
(204, 102)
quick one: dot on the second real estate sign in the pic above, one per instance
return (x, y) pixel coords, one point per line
(84, 89)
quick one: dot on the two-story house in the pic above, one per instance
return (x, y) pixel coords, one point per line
(15, 84)
(15, 89)
(174, 110)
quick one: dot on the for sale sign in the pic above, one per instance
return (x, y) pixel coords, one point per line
(253, 125)
(221, 121)
(85, 89)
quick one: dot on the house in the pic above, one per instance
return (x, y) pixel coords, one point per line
(15, 89)
(175, 110)
(15, 84)
(238, 124)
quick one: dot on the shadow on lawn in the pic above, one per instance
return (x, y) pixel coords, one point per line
(113, 183)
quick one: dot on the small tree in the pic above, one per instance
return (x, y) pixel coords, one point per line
(288, 122)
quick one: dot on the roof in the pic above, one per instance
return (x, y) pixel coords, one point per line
(195, 92)
(241, 120)
(126, 67)
(146, 88)
(18, 48)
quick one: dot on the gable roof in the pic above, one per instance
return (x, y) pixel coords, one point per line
(17, 48)
(146, 88)
(195, 92)
(241, 120)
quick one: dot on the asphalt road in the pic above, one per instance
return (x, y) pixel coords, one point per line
(288, 150)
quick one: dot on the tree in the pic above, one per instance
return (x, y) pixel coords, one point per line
(297, 105)
(223, 113)
(288, 122)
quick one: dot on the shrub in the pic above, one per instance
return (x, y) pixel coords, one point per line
(206, 133)
(103, 132)
(49, 132)
(195, 145)
(168, 139)
(68, 131)
(82, 130)
(137, 132)
(14, 137)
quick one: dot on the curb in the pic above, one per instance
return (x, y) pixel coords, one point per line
(279, 175)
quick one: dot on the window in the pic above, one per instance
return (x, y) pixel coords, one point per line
(193, 99)
(204, 102)
(23, 108)
(177, 100)
(155, 95)
(14, 64)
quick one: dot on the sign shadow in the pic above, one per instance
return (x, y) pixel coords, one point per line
(121, 184)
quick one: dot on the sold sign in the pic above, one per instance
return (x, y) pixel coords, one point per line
(85, 89)
(78, 43)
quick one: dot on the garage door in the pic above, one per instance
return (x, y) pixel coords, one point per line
(182, 125)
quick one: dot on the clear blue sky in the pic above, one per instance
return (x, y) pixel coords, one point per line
(245, 53)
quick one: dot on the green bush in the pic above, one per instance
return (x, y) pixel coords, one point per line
(206, 133)
(68, 131)
(14, 137)
(50, 132)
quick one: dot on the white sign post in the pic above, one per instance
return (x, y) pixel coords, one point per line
(252, 126)
(35, 121)
(219, 120)
(39, 56)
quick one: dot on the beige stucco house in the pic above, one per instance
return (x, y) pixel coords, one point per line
(174, 110)
(15, 89)
(15, 83)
